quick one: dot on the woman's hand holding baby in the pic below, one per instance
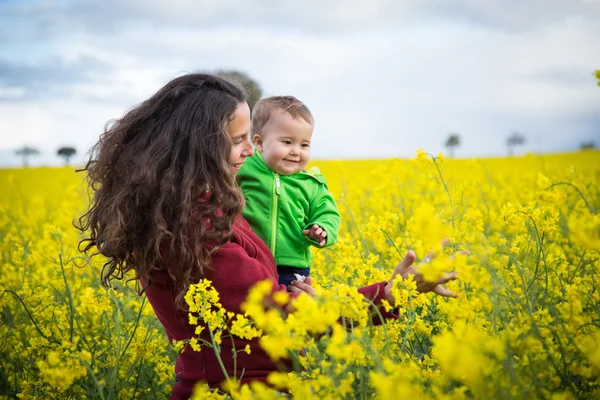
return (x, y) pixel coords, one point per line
(304, 286)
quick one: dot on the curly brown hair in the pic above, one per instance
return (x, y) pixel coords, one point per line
(163, 190)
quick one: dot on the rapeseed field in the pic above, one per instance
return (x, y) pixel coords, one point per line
(525, 324)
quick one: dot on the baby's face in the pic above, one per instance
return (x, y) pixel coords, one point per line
(284, 143)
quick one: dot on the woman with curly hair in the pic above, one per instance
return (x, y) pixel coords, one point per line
(167, 207)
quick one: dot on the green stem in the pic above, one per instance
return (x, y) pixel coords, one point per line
(137, 378)
(577, 190)
(539, 240)
(391, 240)
(445, 187)
(362, 239)
(70, 297)
(115, 372)
(91, 372)
(234, 355)
(137, 321)
(217, 350)
(51, 340)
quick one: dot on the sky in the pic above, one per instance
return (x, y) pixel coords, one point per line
(382, 77)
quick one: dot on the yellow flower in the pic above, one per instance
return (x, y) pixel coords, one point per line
(527, 294)
(203, 391)
(422, 158)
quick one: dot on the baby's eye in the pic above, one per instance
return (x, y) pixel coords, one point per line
(287, 141)
(305, 145)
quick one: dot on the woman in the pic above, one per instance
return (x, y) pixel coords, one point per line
(166, 205)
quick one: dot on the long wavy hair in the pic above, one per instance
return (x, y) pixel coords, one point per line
(162, 187)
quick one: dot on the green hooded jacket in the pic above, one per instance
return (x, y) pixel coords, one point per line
(280, 207)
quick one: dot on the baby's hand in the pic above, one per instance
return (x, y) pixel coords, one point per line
(317, 234)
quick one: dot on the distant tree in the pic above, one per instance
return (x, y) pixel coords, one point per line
(598, 76)
(253, 89)
(587, 145)
(25, 152)
(66, 153)
(516, 139)
(452, 142)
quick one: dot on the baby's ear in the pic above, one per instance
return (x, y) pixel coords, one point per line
(257, 139)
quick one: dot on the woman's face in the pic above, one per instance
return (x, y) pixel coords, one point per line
(239, 133)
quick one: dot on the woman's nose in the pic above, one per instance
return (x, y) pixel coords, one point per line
(249, 150)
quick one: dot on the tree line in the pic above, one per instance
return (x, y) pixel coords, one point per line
(26, 152)
(514, 140)
(254, 93)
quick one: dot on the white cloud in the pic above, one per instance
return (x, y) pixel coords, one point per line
(20, 125)
(309, 15)
(382, 78)
(49, 125)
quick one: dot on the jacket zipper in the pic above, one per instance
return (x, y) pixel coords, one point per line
(276, 193)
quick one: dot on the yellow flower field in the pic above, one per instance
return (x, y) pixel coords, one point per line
(526, 323)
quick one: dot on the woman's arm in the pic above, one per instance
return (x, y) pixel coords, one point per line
(234, 272)
(377, 292)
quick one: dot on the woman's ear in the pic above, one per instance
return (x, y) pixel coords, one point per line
(257, 139)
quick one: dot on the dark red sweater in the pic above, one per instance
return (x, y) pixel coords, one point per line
(236, 267)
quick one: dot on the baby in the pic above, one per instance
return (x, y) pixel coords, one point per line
(288, 207)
